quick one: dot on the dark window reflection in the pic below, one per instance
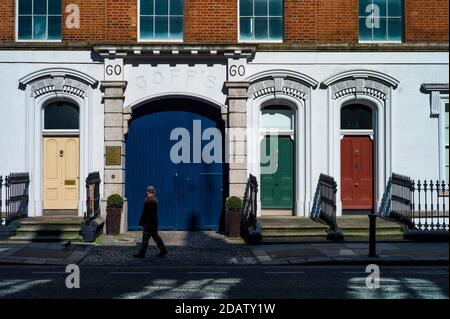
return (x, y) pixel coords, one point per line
(61, 116)
(356, 117)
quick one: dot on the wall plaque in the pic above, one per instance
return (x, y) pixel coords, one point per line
(113, 155)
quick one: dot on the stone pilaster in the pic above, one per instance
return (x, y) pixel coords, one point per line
(114, 175)
(237, 136)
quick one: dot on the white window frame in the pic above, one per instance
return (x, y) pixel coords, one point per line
(268, 16)
(158, 40)
(32, 26)
(387, 27)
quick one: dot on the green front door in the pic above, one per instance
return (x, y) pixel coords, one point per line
(277, 189)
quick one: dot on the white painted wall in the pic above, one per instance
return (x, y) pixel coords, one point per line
(414, 132)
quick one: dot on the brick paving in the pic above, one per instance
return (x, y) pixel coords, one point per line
(185, 248)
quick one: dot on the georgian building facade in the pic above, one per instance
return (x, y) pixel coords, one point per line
(355, 89)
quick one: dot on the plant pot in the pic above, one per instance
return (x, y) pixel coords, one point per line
(233, 223)
(113, 216)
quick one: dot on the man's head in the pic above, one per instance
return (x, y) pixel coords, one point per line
(151, 190)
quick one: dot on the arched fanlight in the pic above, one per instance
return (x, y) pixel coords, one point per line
(61, 115)
(356, 117)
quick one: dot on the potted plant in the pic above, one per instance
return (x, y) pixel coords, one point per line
(233, 206)
(114, 207)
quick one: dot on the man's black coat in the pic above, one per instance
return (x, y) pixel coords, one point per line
(149, 216)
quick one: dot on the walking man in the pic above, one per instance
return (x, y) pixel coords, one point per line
(149, 222)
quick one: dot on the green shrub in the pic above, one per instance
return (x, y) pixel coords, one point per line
(233, 203)
(115, 201)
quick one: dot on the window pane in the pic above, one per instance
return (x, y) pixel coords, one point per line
(245, 25)
(176, 7)
(275, 29)
(261, 32)
(54, 27)
(277, 118)
(25, 28)
(395, 27)
(146, 27)
(54, 7)
(365, 33)
(380, 7)
(395, 8)
(276, 7)
(363, 4)
(146, 7)
(25, 6)
(40, 7)
(40, 27)
(61, 116)
(161, 28)
(245, 8)
(176, 28)
(379, 34)
(261, 8)
(356, 117)
(162, 7)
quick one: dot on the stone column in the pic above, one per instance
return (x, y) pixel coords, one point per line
(114, 175)
(237, 136)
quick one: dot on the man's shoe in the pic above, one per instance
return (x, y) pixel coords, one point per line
(162, 254)
(139, 255)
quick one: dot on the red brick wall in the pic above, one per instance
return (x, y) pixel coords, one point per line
(211, 21)
(215, 21)
(7, 20)
(426, 21)
(319, 21)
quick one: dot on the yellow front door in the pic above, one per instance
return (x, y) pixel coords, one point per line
(61, 172)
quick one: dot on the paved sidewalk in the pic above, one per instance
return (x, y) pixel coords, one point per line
(185, 248)
(211, 248)
(42, 253)
(400, 253)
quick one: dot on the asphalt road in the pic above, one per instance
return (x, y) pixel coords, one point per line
(228, 282)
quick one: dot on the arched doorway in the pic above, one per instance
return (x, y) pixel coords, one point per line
(277, 143)
(61, 158)
(357, 158)
(170, 145)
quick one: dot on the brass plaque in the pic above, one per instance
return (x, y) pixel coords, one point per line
(70, 182)
(113, 155)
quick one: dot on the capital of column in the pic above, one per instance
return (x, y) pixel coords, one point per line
(113, 89)
(237, 90)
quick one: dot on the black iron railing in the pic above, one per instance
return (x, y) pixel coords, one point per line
(324, 205)
(421, 205)
(92, 197)
(250, 228)
(16, 196)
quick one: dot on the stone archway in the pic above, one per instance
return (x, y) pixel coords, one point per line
(42, 87)
(294, 90)
(373, 89)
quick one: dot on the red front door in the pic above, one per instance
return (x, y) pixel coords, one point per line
(357, 172)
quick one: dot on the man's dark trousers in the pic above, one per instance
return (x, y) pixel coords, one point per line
(151, 233)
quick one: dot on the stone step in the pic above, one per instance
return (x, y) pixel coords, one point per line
(48, 228)
(29, 237)
(52, 220)
(289, 228)
(61, 213)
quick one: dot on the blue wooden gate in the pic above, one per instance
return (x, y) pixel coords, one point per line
(190, 194)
